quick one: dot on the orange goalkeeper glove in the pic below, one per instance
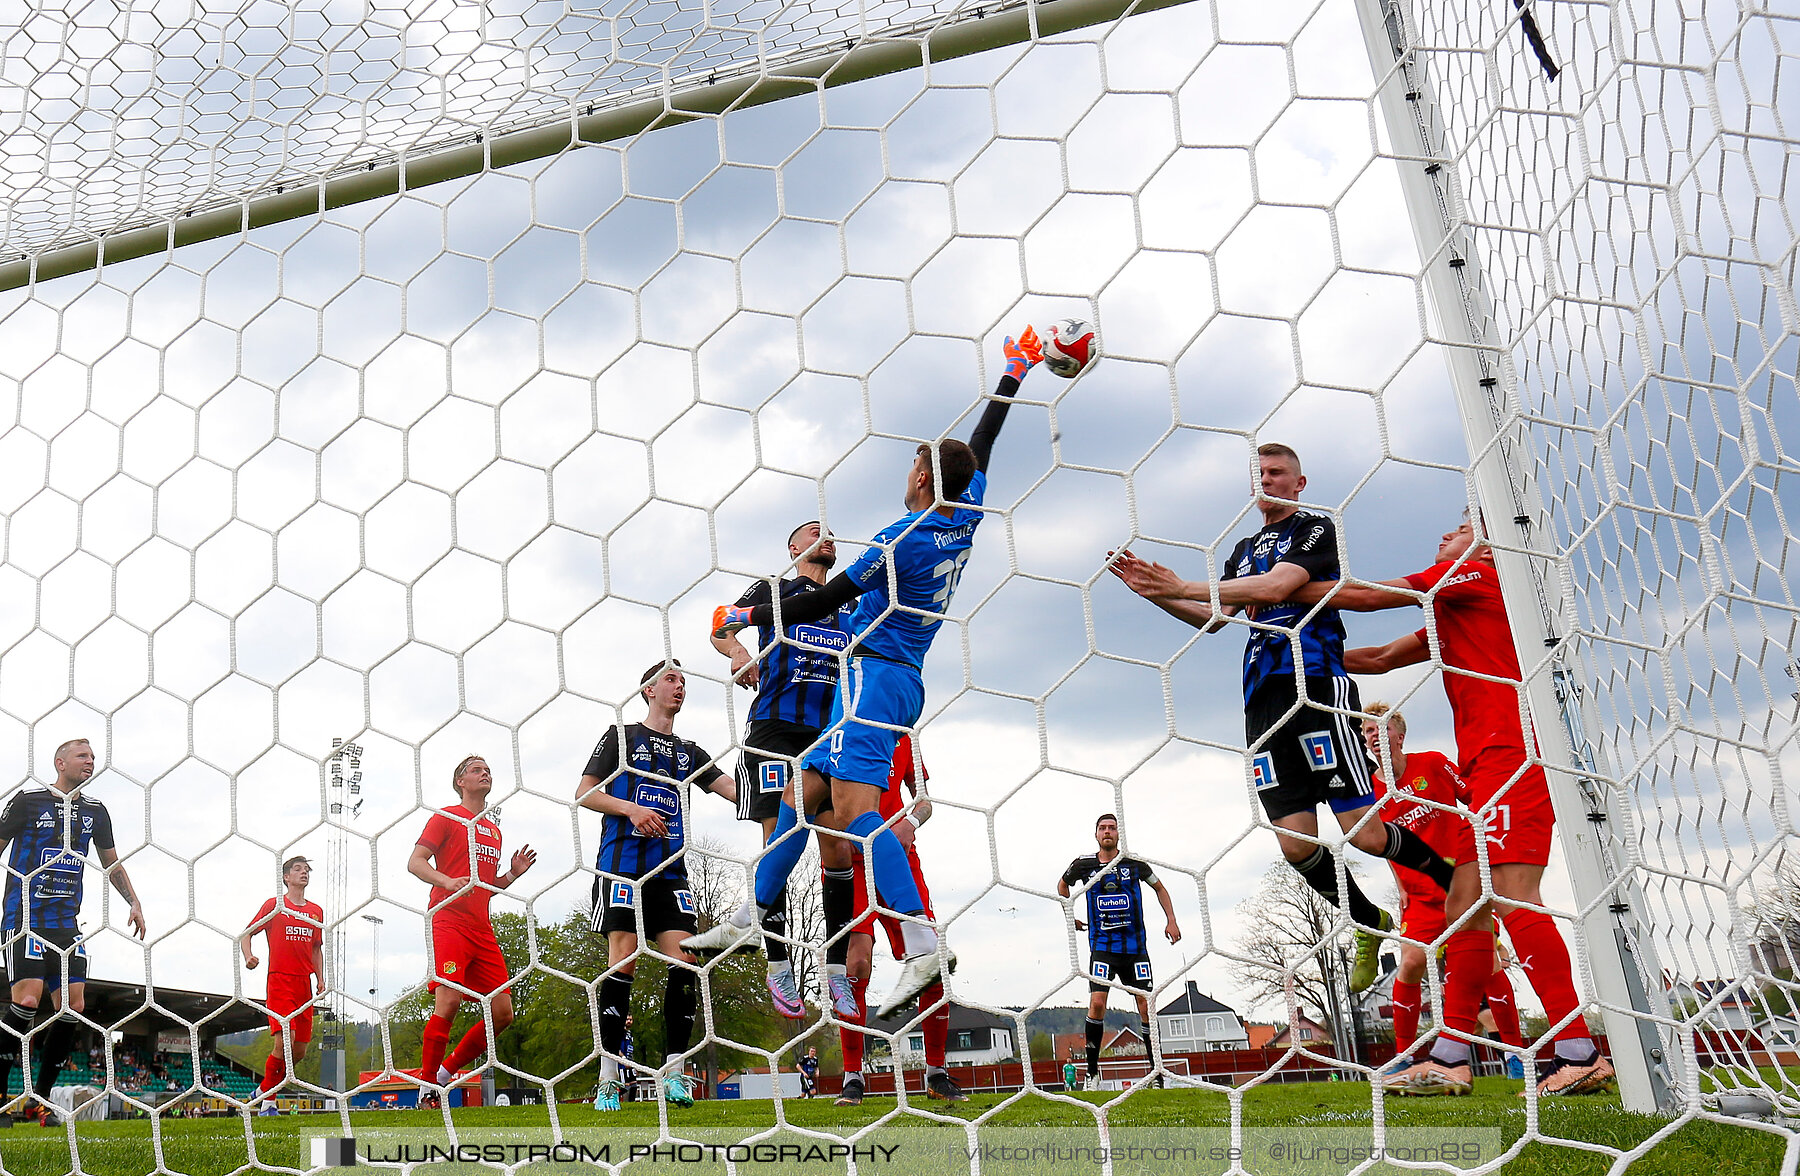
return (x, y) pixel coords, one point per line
(1023, 355)
(728, 619)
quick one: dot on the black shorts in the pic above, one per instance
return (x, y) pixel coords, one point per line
(1131, 972)
(1314, 757)
(39, 955)
(772, 749)
(668, 906)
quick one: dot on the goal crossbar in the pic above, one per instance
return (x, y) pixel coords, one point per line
(891, 50)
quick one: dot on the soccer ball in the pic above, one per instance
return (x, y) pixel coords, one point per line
(1071, 346)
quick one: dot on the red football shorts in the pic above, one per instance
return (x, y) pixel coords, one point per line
(291, 994)
(1519, 816)
(863, 921)
(468, 956)
(1422, 921)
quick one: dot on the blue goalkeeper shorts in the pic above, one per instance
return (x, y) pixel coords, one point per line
(877, 702)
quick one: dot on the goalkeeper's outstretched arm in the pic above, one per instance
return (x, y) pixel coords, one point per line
(1022, 355)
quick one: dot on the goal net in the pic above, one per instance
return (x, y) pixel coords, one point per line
(387, 385)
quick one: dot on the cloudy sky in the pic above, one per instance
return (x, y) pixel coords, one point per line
(442, 473)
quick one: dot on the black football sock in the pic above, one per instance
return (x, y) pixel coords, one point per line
(15, 1021)
(678, 1012)
(1406, 848)
(615, 1006)
(774, 925)
(838, 891)
(1094, 1031)
(57, 1040)
(1320, 872)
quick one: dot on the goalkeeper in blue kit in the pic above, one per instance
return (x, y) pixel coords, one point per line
(902, 585)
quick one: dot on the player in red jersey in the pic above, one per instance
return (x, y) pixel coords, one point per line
(467, 964)
(1510, 796)
(1426, 776)
(295, 931)
(907, 769)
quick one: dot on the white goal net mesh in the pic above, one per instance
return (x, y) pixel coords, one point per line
(388, 384)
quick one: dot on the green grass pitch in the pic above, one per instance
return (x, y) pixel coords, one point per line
(1322, 1118)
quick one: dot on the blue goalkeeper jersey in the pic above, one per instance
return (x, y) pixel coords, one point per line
(655, 772)
(1115, 902)
(909, 575)
(800, 663)
(49, 834)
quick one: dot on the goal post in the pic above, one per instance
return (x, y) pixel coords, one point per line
(1620, 960)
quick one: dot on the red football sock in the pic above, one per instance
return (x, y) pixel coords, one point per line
(472, 1046)
(274, 1072)
(437, 1036)
(1406, 1016)
(1545, 958)
(937, 1023)
(1505, 1009)
(1468, 961)
(852, 1039)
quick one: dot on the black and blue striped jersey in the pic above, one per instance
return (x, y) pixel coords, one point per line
(655, 774)
(800, 665)
(1309, 541)
(1115, 901)
(49, 833)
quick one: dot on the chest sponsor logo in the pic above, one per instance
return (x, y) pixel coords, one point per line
(1115, 903)
(818, 637)
(660, 798)
(640, 754)
(58, 872)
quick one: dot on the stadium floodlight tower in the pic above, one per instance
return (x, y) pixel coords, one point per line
(344, 803)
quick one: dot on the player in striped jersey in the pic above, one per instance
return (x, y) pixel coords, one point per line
(50, 831)
(639, 778)
(295, 932)
(902, 584)
(1299, 758)
(458, 856)
(795, 674)
(1118, 946)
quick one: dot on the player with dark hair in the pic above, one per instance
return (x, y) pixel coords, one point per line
(1118, 945)
(1510, 796)
(902, 584)
(795, 674)
(1299, 703)
(637, 777)
(908, 774)
(295, 931)
(50, 831)
(458, 856)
